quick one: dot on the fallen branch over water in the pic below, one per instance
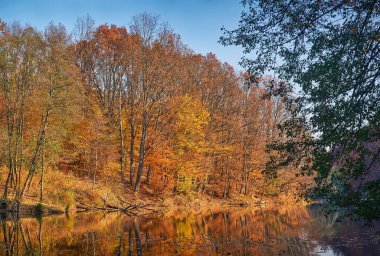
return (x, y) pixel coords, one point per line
(124, 207)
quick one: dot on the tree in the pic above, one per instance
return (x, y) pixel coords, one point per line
(150, 88)
(102, 58)
(330, 50)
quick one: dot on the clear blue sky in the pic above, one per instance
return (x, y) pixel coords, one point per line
(197, 21)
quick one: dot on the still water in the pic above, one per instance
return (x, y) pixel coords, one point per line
(283, 231)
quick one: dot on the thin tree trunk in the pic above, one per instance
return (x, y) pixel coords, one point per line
(96, 166)
(133, 135)
(10, 135)
(142, 151)
(227, 185)
(42, 175)
(40, 141)
(21, 155)
(149, 173)
(131, 153)
(121, 137)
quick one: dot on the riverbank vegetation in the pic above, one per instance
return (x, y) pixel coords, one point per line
(114, 113)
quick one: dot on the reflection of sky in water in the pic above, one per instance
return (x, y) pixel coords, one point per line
(324, 251)
(282, 231)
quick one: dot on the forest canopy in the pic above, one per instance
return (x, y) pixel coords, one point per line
(131, 110)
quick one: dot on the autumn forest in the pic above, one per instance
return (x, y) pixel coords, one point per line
(133, 110)
(218, 134)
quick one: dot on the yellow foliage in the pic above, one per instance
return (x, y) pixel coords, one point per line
(189, 140)
(191, 119)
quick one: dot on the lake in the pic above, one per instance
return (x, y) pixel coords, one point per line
(243, 231)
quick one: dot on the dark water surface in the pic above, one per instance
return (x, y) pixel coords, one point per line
(283, 231)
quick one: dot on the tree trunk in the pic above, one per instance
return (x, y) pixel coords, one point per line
(149, 173)
(142, 151)
(40, 141)
(10, 136)
(96, 166)
(42, 175)
(227, 185)
(131, 152)
(121, 137)
(133, 135)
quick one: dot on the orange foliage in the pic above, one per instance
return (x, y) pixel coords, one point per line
(144, 108)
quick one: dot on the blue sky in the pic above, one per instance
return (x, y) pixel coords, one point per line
(197, 21)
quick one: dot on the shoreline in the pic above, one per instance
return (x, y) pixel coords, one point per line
(19, 210)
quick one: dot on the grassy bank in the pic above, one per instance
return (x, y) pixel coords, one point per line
(64, 192)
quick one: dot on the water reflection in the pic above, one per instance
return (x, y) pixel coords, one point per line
(294, 231)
